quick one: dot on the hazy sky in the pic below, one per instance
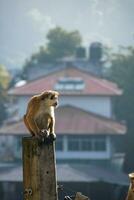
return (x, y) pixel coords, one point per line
(24, 24)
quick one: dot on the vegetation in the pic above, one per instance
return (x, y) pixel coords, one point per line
(4, 82)
(122, 72)
(60, 43)
(3, 112)
(4, 77)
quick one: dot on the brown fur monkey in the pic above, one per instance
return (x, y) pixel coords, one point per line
(130, 195)
(40, 118)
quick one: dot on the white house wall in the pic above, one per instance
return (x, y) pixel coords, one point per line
(99, 105)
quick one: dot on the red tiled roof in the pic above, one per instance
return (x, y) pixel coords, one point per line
(93, 84)
(71, 120)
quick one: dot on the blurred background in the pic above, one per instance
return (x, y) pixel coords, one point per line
(84, 50)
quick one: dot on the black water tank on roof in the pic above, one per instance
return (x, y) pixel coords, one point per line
(95, 52)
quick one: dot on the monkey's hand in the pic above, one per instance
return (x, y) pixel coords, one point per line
(52, 136)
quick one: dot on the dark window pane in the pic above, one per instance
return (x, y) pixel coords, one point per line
(59, 144)
(73, 145)
(99, 145)
(86, 145)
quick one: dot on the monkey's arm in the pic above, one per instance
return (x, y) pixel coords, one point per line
(52, 125)
(52, 129)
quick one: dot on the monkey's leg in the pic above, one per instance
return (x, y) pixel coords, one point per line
(33, 126)
(27, 125)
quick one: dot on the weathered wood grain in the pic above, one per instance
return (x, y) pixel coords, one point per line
(39, 170)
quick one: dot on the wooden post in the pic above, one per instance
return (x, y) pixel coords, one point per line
(39, 171)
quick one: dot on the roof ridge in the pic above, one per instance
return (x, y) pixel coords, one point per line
(68, 68)
(101, 82)
(105, 88)
(92, 113)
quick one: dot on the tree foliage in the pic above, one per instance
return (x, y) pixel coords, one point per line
(60, 43)
(4, 83)
(122, 72)
(3, 99)
(4, 77)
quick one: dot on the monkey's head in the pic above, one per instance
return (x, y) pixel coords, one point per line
(50, 98)
(131, 176)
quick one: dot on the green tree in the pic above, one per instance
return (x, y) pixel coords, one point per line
(60, 43)
(122, 72)
(4, 77)
(3, 99)
(4, 83)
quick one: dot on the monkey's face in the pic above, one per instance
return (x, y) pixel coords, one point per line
(50, 98)
(53, 100)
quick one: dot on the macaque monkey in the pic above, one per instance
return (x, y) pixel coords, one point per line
(40, 118)
(78, 196)
(130, 195)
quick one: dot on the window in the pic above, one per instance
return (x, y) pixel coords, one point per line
(74, 145)
(84, 143)
(70, 83)
(100, 145)
(59, 144)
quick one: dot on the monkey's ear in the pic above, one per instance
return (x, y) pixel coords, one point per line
(57, 93)
(44, 95)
